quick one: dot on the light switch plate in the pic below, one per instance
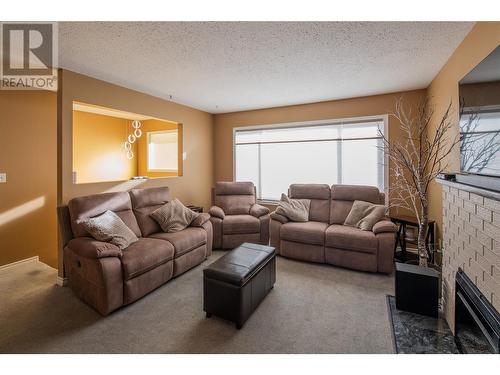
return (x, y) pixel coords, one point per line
(3, 178)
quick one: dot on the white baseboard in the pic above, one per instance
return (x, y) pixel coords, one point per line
(19, 263)
(62, 281)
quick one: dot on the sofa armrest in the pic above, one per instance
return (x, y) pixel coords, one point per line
(257, 210)
(87, 247)
(282, 219)
(385, 226)
(217, 212)
(200, 220)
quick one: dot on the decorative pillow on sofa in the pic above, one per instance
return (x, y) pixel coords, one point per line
(294, 209)
(173, 216)
(364, 215)
(108, 227)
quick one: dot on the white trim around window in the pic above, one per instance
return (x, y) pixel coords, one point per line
(175, 145)
(343, 123)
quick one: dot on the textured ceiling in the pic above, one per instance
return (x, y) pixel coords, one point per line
(231, 66)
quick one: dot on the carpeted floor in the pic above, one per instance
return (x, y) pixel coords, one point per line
(312, 309)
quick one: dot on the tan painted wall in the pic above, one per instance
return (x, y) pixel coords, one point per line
(193, 187)
(337, 109)
(142, 145)
(198, 137)
(98, 152)
(479, 43)
(28, 155)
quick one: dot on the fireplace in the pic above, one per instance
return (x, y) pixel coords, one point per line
(477, 323)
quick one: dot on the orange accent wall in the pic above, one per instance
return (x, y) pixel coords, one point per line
(151, 126)
(98, 151)
(28, 154)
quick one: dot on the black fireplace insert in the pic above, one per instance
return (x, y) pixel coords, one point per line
(477, 323)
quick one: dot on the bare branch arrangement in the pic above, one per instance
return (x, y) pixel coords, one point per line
(477, 148)
(416, 160)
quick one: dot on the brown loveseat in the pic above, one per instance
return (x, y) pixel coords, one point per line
(324, 238)
(105, 276)
(235, 216)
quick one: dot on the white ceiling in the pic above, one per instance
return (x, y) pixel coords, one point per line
(232, 66)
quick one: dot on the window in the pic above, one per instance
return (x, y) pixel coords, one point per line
(162, 151)
(273, 157)
(480, 143)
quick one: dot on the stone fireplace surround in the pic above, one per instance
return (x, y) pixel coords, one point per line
(471, 240)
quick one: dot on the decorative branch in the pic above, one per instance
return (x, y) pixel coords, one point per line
(416, 159)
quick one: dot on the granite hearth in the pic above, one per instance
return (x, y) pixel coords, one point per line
(420, 334)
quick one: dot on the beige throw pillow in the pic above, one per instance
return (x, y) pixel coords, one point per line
(174, 216)
(294, 209)
(364, 215)
(108, 227)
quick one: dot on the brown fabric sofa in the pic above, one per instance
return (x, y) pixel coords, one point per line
(106, 277)
(324, 238)
(235, 216)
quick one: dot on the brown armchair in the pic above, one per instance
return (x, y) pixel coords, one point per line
(236, 217)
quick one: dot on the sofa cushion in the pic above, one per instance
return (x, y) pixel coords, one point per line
(240, 224)
(318, 194)
(343, 197)
(185, 240)
(294, 209)
(149, 197)
(200, 220)
(235, 204)
(173, 216)
(309, 191)
(364, 215)
(344, 237)
(144, 202)
(310, 232)
(144, 255)
(108, 227)
(94, 205)
(235, 198)
(87, 247)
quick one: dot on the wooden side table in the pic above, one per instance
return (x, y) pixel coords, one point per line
(407, 221)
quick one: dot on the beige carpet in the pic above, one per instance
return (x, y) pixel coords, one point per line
(312, 309)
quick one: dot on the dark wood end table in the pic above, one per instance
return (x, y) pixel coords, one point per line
(403, 222)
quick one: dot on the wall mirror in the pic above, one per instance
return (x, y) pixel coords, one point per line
(479, 94)
(113, 145)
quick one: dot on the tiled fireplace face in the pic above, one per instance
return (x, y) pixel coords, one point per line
(471, 240)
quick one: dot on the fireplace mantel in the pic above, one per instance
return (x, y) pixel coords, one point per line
(471, 189)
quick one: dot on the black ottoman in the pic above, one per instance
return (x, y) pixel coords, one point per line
(235, 284)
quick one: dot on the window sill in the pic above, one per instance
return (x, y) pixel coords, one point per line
(268, 202)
